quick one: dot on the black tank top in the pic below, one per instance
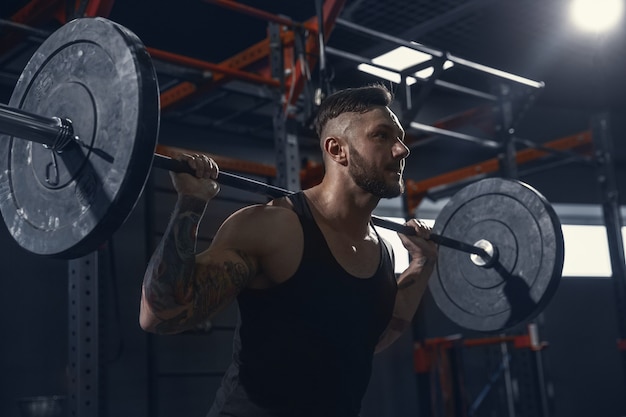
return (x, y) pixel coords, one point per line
(304, 347)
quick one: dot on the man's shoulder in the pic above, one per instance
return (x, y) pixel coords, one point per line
(267, 226)
(263, 214)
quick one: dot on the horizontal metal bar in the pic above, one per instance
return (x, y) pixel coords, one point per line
(566, 153)
(353, 57)
(28, 126)
(20, 26)
(431, 129)
(218, 68)
(439, 83)
(392, 39)
(225, 178)
(438, 53)
(461, 246)
(495, 72)
(438, 239)
(442, 185)
(248, 184)
(466, 90)
(546, 166)
(260, 14)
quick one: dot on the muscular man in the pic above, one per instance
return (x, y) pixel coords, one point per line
(314, 281)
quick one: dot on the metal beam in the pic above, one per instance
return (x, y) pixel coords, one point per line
(260, 53)
(441, 54)
(439, 83)
(487, 143)
(261, 14)
(415, 190)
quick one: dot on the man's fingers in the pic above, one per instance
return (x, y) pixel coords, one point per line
(421, 229)
(203, 166)
(214, 169)
(421, 248)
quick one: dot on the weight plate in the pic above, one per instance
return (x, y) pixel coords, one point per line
(526, 231)
(97, 74)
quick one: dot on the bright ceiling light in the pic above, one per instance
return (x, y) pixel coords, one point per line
(401, 58)
(596, 15)
(389, 75)
(398, 60)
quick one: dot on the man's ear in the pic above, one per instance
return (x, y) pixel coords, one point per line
(335, 149)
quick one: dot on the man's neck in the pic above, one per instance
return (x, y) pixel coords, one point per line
(345, 209)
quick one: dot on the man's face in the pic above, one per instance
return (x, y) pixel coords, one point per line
(377, 153)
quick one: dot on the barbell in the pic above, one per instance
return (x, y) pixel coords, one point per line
(80, 134)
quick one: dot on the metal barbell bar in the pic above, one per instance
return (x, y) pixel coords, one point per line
(56, 133)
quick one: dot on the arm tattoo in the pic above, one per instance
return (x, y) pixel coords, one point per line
(179, 293)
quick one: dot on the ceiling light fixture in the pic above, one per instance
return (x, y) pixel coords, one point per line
(596, 15)
(398, 60)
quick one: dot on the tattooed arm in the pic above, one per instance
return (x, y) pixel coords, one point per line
(411, 284)
(182, 289)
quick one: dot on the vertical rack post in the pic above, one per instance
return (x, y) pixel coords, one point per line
(285, 140)
(601, 133)
(84, 331)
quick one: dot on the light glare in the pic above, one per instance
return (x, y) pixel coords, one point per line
(586, 251)
(401, 58)
(392, 61)
(596, 15)
(394, 77)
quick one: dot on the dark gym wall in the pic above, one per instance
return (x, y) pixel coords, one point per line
(33, 324)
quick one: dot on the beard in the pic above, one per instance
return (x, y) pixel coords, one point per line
(371, 179)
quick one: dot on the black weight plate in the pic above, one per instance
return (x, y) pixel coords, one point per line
(523, 226)
(97, 74)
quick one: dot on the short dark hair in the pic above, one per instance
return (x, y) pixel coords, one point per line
(358, 100)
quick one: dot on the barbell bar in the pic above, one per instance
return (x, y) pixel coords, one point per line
(56, 133)
(89, 96)
(258, 187)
